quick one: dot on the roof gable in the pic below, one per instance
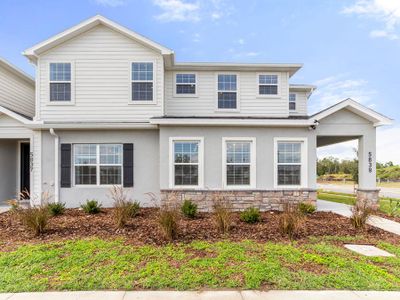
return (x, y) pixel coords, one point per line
(14, 115)
(16, 71)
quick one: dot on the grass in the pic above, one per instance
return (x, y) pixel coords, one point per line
(96, 264)
(350, 199)
(348, 182)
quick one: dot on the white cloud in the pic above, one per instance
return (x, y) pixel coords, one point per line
(386, 12)
(111, 3)
(336, 88)
(241, 41)
(196, 38)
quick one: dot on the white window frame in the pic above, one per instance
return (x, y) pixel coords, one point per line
(172, 141)
(278, 95)
(304, 162)
(98, 165)
(237, 109)
(195, 95)
(253, 162)
(72, 82)
(142, 102)
(295, 102)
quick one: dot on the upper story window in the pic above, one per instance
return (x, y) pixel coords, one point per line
(268, 84)
(227, 91)
(60, 81)
(292, 101)
(185, 84)
(142, 81)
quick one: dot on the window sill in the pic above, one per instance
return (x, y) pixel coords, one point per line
(227, 110)
(144, 103)
(186, 96)
(107, 186)
(269, 96)
(238, 187)
(187, 187)
(60, 103)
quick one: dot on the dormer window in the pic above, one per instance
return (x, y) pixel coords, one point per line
(60, 82)
(227, 91)
(292, 102)
(142, 81)
(185, 84)
(267, 84)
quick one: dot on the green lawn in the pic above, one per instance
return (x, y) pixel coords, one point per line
(348, 182)
(97, 264)
(386, 205)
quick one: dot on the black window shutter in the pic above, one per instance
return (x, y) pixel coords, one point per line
(128, 165)
(66, 165)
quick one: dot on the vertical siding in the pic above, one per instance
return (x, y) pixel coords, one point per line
(204, 104)
(301, 104)
(101, 60)
(16, 93)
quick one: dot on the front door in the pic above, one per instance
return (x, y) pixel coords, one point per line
(25, 183)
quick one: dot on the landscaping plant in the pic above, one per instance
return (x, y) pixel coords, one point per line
(124, 208)
(168, 216)
(394, 207)
(91, 207)
(290, 219)
(361, 212)
(222, 210)
(56, 209)
(34, 218)
(189, 209)
(307, 208)
(250, 215)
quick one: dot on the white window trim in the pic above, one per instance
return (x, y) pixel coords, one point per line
(237, 109)
(258, 85)
(97, 164)
(72, 82)
(195, 95)
(295, 103)
(172, 162)
(253, 162)
(144, 102)
(304, 162)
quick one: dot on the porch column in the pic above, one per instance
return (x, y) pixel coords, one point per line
(367, 189)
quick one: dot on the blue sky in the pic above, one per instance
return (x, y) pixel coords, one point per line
(350, 48)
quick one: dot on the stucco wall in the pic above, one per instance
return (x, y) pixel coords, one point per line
(146, 164)
(8, 169)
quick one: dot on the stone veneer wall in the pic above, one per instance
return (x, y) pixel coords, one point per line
(370, 196)
(263, 199)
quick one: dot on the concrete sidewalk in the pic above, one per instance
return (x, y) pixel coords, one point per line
(207, 295)
(345, 210)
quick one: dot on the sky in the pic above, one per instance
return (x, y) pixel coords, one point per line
(349, 48)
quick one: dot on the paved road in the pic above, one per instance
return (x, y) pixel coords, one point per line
(385, 191)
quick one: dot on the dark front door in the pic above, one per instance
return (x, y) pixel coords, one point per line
(25, 169)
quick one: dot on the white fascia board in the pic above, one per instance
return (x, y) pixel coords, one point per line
(15, 116)
(357, 108)
(232, 122)
(34, 51)
(88, 125)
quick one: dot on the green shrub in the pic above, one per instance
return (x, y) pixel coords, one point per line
(133, 209)
(35, 218)
(250, 215)
(307, 208)
(91, 207)
(56, 209)
(189, 209)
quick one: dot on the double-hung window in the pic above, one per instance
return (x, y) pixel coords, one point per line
(185, 84)
(227, 91)
(292, 102)
(186, 162)
(290, 159)
(98, 164)
(142, 81)
(268, 84)
(60, 82)
(239, 162)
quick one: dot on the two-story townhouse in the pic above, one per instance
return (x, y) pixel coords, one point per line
(114, 108)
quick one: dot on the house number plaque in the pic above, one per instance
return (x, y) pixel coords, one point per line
(370, 162)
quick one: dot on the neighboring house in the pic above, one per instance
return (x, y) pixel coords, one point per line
(114, 108)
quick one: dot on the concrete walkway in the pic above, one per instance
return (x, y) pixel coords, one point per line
(208, 295)
(345, 210)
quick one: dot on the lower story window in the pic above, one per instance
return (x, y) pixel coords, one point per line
(289, 163)
(97, 164)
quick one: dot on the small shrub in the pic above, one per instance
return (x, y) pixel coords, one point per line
(290, 220)
(189, 209)
(124, 208)
(35, 218)
(361, 212)
(133, 209)
(307, 208)
(91, 207)
(168, 220)
(250, 215)
(56, 209)
(394, 207)
(222, 210)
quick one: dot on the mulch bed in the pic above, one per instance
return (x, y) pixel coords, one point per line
(144, 229)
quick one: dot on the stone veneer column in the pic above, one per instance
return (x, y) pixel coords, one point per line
(369, 195)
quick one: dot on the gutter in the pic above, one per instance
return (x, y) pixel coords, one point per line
(56, 173)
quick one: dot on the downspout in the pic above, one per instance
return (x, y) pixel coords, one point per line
(56, 180)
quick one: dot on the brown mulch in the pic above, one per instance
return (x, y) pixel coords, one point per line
(144, 229)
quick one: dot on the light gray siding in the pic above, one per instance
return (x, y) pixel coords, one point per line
(205, 102)
(101, 62)
(301, 104)
(15, 93)
(8, 169)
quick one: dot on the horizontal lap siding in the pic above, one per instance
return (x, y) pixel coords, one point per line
(301, 104)
(16, 93)
(101, 60)
(205, 102)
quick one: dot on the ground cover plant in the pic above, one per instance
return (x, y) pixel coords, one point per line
(91, 207)
(56, 209)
